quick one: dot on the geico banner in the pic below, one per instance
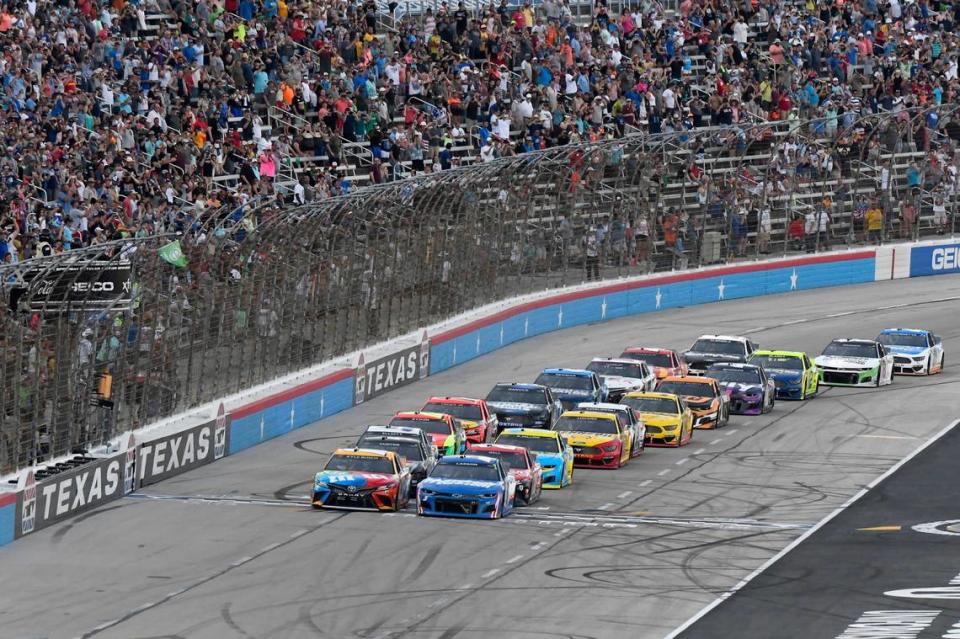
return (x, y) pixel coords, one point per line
(174, 454)
(78, 286)
(393, 371)
(43, 503)
(934, 260)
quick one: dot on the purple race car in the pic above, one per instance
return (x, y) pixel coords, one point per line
(750, 389)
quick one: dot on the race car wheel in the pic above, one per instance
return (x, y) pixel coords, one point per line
(877, 383)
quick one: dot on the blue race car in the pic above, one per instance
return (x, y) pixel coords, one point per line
(573, 386)
(523, 405)
(553, 454)
(467, 486)
(915, 351)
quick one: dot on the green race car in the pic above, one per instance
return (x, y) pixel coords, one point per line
(793, 373)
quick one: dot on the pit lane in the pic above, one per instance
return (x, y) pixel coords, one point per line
(230, 550)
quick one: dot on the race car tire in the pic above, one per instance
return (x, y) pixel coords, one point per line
(876, 384)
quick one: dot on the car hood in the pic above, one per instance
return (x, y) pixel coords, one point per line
(853, 363)
(550, 459)
(661, 419)
(785, 374)
(712, 357)
(516, 408)
(359, 480)
(737, 388)
(587, 439)
(908, 350)
(462, 486)
(613, 381)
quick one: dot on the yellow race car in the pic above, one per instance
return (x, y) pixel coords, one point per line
(668, 419)
(597, 439)
(553, 454)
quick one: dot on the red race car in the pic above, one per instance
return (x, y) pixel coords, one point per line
(522, 465)
(478, 422)
(664, 362)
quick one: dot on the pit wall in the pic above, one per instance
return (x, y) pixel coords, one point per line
(248, 419)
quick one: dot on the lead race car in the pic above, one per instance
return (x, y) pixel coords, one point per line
(362, 479)
(467, 486)
(855, 362)
(915, 351)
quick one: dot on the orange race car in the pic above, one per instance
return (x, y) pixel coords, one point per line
(662, 361)
(709, 403)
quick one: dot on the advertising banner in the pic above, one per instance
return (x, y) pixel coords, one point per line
(934, 260)
(373, 379)
(78, 286)
(171, 455)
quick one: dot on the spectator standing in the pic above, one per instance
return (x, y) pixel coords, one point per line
(874, 218)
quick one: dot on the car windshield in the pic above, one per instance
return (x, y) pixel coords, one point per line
(691, 389)
(652, 404)
(465, 470)
(575, 382)
(432, 426)
(780, 362)
(403, 447)
(903, 339)
(738, 375)
(652, 359)
(360, 464)
(618, 369)
(586, 425)
(536, 444)
(460, 411)
(508, 459)
(851, 349)
(514, 395)
(720, 346)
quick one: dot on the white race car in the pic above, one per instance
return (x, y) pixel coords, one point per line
(855, 362)
(915, 351)
(623, 376)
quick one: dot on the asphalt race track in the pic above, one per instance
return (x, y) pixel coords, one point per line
(231, 550)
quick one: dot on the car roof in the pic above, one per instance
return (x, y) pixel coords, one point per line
(617, 360)
(425, 416)
(572, 372)
(468, 459)
(364, 452)
(741, 365)
(728, 338)
(603, 406)
(395, 438)
(499, 448)
(654, 350)
(531, 432)
(780, 353)
(522, 385)
(853, 340)
(652, 395)
(589, 414)
(455, 401)
(687, 378)
(904, 331)
(393, 430)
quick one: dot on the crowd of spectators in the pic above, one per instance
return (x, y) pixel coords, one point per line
(117, 124)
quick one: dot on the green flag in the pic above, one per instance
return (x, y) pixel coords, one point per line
(173, 254)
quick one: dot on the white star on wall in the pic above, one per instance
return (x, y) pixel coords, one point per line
(793, 280)
(603, 309)
(721, 288)
(658, 297)
(560, 317)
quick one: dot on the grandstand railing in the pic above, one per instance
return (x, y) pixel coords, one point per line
(266, 290)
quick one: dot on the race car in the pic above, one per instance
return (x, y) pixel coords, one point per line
(793, 373)
(855, 362)
(523, 405)
(629, 419)
(553, 454)
(417, 456)
(572, 386)
(478, 422)
(708, 403)
(750, 390)
(362, 479)
(467, 486)
(668, 420)
(445, 430)
(915, 351)
(710, 349)
(596, 438)
(399, 431)
(662, 361)
(520, 463)
(622, 375)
